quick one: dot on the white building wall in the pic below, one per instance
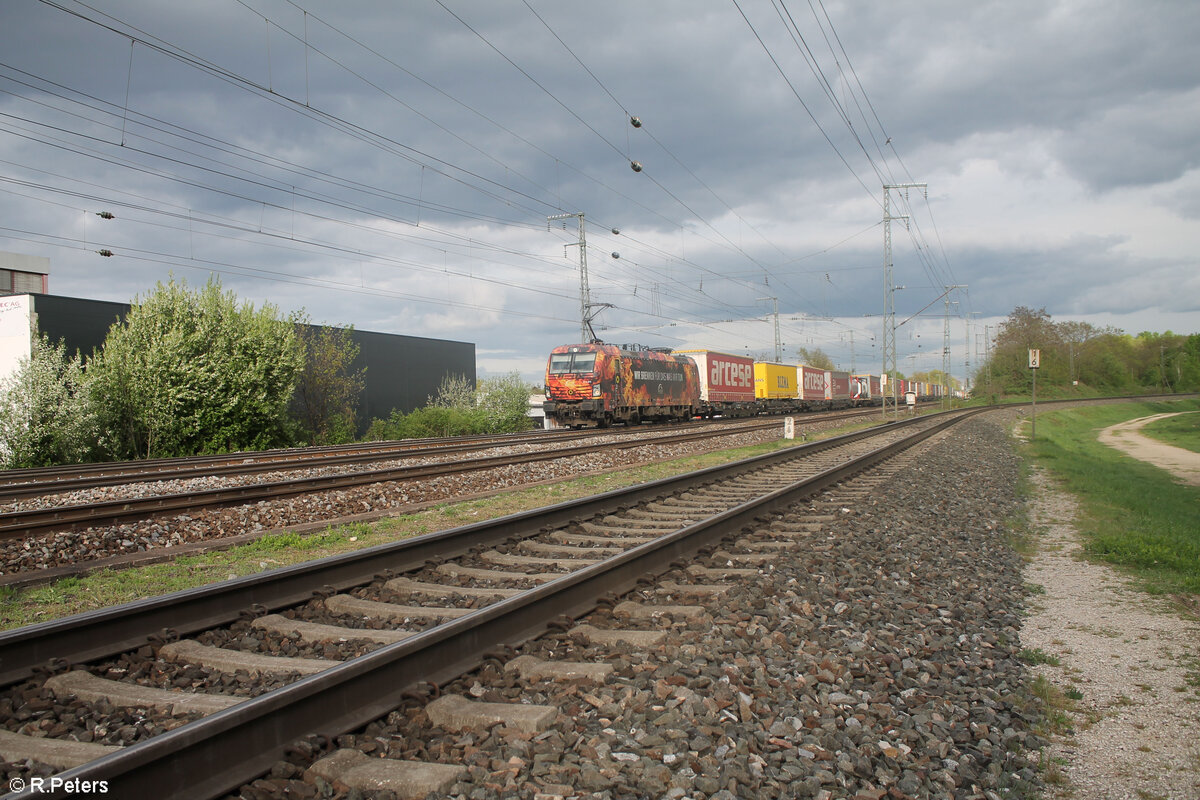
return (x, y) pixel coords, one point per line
(16, 342)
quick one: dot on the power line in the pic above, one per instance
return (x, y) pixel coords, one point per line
(266, 92)
(804, 105)
(171, 259)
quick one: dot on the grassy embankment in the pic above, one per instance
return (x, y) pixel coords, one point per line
(1132, 515)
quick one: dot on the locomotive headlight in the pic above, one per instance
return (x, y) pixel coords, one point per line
(595, 390)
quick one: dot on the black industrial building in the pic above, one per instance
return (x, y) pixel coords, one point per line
(403, 372)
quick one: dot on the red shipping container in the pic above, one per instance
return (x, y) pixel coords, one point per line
(837, 386)
(724, 378)
(812, 383)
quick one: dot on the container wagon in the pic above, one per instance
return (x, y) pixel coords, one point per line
(812, 386)
(726, 383)
(775, 388)
(837, 389)
(865, 390)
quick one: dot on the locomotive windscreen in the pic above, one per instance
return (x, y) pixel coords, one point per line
(572, 363)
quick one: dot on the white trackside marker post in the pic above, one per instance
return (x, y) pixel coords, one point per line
(1035, 363)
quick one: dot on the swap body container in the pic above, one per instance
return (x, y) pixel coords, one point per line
(774, 381)
(865, 388)
(724, 378)
(837, 387)
(812, 385)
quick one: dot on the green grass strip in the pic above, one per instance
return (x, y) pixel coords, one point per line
(1132, 514)
(1181, 431)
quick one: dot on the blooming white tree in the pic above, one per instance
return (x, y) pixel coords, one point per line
(46, 413)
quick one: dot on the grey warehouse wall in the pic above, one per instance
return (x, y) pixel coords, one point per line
(405, 371)
(82, 324)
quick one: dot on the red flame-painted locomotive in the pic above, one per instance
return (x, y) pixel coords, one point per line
(595, 385)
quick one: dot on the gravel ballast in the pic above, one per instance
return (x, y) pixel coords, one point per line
(876, 659)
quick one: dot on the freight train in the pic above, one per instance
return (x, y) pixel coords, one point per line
(596, 385)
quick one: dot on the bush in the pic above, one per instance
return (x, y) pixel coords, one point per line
(192, 372)
(324, 406)
(503, 404)
(423, 423)
(495, 405)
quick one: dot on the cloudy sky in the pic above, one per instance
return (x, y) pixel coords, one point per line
(393, 165)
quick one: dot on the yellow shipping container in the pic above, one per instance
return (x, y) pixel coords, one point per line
(774, 381)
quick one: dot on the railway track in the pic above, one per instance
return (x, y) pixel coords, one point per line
(41, 481)
(21, 523)
(370, 627)
(46, 480)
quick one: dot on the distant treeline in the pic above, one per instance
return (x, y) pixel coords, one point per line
(1077, 357)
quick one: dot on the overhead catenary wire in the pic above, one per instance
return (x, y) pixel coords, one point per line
(218, 71)
(172, 259)
(882, 170)
(675, 279)
(638, 167)
(642, 127)
(293, 242)
(796, 93)
(370, 137)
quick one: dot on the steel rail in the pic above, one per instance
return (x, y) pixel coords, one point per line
(126, 471)
(19, 524)
(39, 481)
(28, 483)
(245, 740)
(106, 632)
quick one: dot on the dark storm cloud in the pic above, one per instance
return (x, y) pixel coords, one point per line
(1149, 140)
(1113, 83)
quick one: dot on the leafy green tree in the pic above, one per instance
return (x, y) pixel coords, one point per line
(46, 414)
(815, 358)
(1184, 364)
(192, 371)
(455, 391)
(1162, 359)
(1025, 330)
(327, 391)
(1105, 370)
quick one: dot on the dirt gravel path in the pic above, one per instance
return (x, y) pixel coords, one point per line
(1134, 660)
(1126, 437)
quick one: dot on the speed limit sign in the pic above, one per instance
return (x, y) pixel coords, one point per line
(1035, 359)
